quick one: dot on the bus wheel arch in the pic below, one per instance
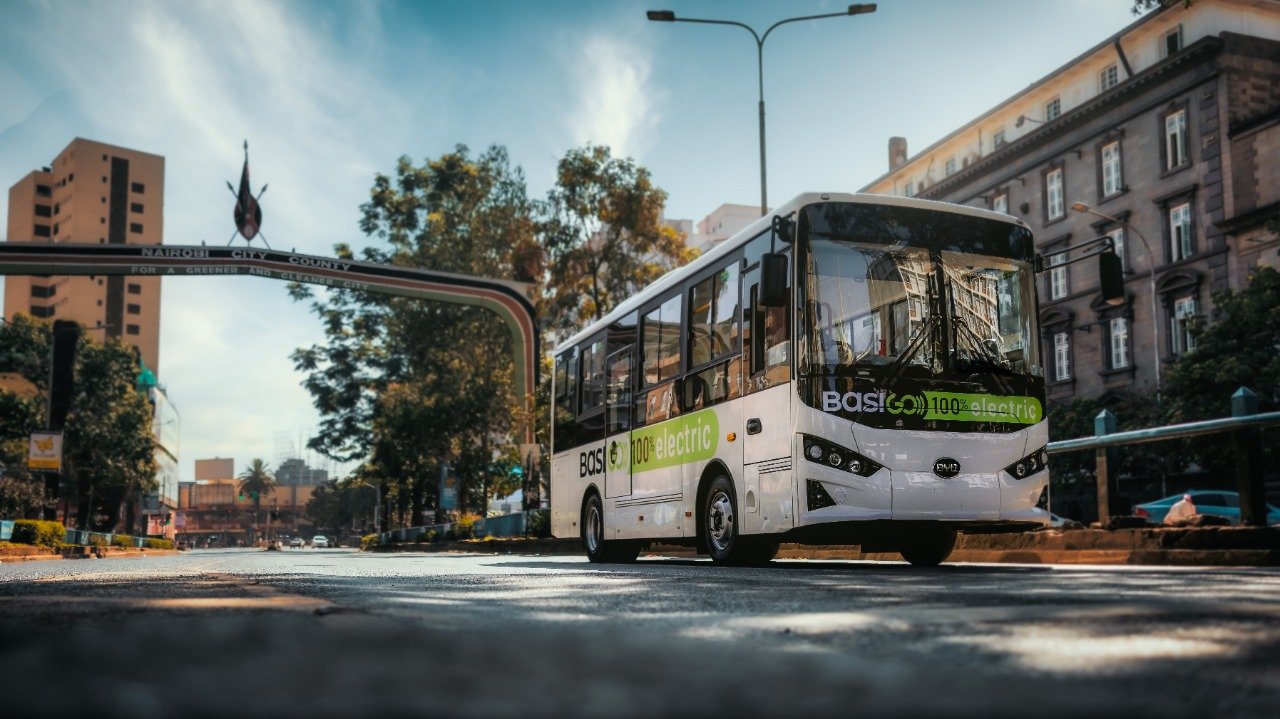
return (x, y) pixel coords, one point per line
(714, 469)
(594, 532)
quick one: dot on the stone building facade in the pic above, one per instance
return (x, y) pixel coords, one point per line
(1165, 135)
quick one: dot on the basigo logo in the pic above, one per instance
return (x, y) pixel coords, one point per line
(946, 467)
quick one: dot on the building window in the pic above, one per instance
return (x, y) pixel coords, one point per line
(57, 208)
(1180, 246)
(41, 312)
(1108, 78)
(1112, 182)
(909, 190)
(43, 191)
(135, 289)
(1117, 241)
(135, 207)
(1175, 139)
(1055, 208)
(1000, 203)
(1119, 331)
(1173, 41)
(997, 139)
(131, 329)
(55, 229)
(1058, 280)
(134, 309)
(951, 166)
(1180, 339)
(42, 291)
(1062, 356)
(1052, 109)
(42, 231)
(138, 187)
(135, 227)
(43, 211)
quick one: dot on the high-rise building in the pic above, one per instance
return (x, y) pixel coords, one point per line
(92, 193)
(1165, 138)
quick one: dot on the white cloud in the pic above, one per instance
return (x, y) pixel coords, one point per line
(615, 103)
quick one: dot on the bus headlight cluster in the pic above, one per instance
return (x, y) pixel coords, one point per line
(837, 457)
(1030, 464)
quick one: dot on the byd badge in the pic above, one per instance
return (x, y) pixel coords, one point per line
(946, 467)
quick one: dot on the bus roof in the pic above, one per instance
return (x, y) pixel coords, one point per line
(678, 275)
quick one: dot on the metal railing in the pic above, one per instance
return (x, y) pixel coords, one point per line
(507, 525)
(1244, 424)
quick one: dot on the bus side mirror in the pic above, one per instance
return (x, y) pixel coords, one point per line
(773, 280)
(1111, 276)
(783, 228)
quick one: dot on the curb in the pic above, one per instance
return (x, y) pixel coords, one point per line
(1264, 557)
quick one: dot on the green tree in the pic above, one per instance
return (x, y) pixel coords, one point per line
(1239, 348)
(406, 384)
(604, 235)
(24, 355)
(257, 481)
(108, 448)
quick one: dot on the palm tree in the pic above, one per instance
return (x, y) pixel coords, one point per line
(257, 481)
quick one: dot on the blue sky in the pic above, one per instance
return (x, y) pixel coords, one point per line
(330, 93)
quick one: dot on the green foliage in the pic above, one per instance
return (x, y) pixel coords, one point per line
(121, 540)
(1132, 411)
(1240, 348)
(96, 540)
(39, 532)
(464, 527)
(368, 541)
(604, 235)
(153, 543)
(337, 504)
(538, 523)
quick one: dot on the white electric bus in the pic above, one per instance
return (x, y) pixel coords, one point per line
(851, 369)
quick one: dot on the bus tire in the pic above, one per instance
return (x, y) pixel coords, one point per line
(721, 535)
(928, 547)
(599, 550)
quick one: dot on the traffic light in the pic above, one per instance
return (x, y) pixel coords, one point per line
(66, 335)
(168, 517)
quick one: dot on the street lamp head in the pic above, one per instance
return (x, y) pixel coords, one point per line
(664, 15)
(862, 8)
(1079, 207)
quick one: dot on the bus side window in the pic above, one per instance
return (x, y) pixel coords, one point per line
(591, 393)
(566, 400)
(660, 339)
(766, 337)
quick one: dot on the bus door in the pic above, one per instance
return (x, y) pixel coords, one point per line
(617, 481)
(766, 413)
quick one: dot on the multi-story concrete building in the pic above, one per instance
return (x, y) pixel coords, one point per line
(213, 510)
(721, 224)
(1164, 136)
(92, 192)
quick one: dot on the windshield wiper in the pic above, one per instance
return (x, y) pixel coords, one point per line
(928, 327)
(984, 353)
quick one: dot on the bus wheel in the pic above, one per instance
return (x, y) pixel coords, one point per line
(593, 542)
(720, 524)
(928, 547)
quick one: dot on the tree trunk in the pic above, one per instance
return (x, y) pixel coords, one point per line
(130, 512)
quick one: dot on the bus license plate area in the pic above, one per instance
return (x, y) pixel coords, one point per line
(925, 495)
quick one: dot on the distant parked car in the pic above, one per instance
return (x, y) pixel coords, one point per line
(1217, 502)
(319, 542)
(296, 542)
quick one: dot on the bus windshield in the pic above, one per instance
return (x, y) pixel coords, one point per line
(925, 312)
(897, 292)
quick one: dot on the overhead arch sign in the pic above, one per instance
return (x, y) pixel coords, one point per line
(508, 300)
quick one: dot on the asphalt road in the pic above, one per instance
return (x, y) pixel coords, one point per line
(319, 633)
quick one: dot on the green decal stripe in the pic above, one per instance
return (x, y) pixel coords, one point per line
(964, 407)
(691, 438)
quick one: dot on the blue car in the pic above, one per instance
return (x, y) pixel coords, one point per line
(1217, 502)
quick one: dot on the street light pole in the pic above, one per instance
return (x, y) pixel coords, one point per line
(669, 16)
(1151, 258)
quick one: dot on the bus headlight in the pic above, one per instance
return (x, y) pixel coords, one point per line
(1035, 462)
(837, 457)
